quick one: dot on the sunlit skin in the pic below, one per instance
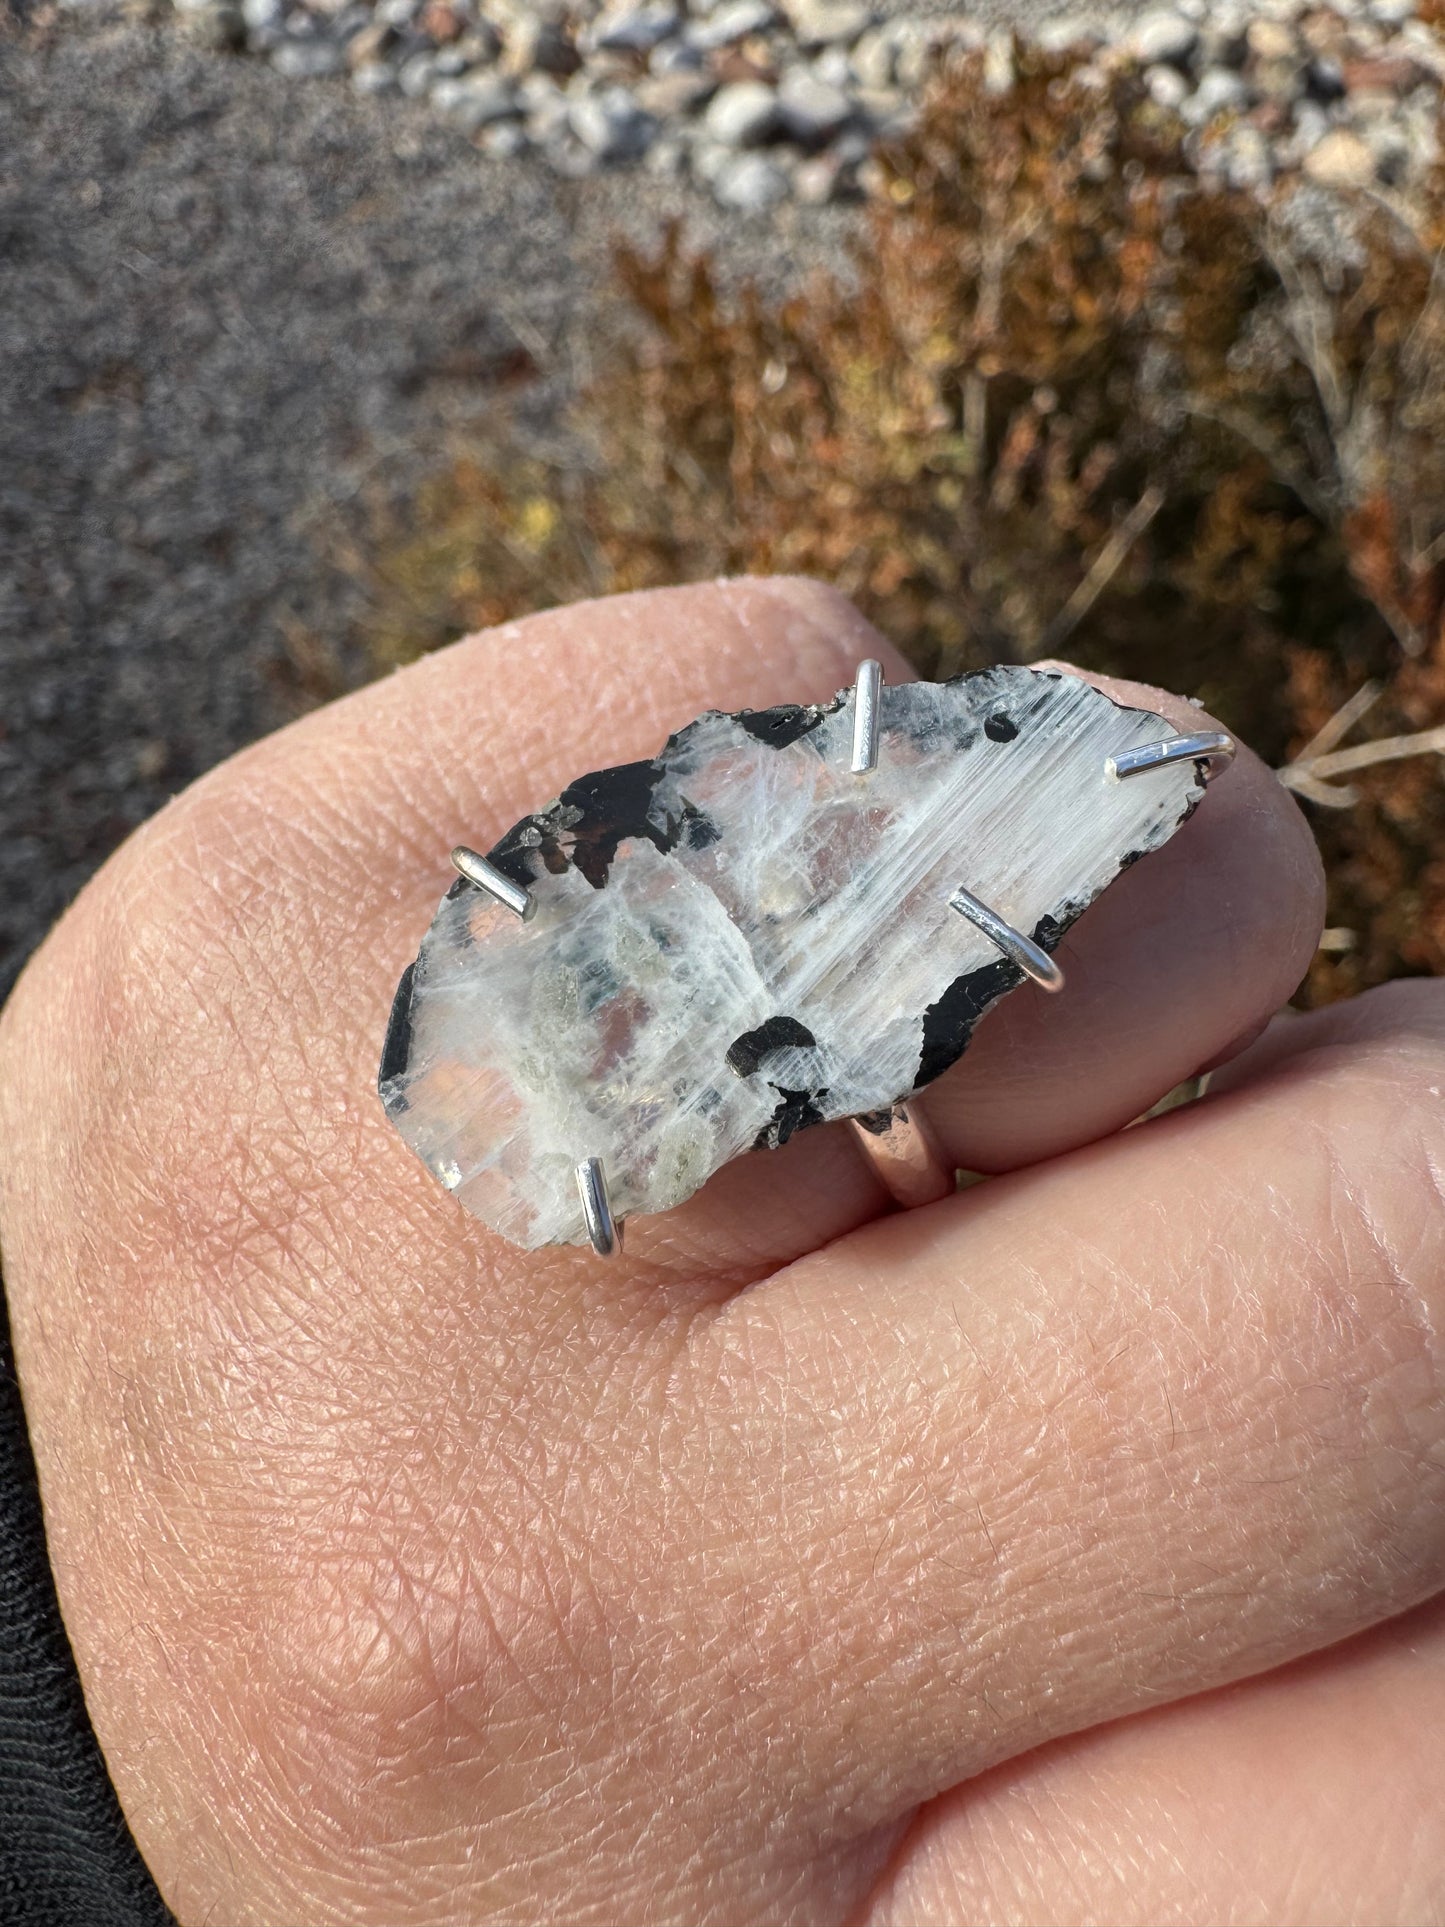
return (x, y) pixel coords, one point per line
(1061, 1552)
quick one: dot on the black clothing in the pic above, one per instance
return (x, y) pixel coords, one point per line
(66, 1855)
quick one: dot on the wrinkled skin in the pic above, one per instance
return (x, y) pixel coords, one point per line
(1066, 1551)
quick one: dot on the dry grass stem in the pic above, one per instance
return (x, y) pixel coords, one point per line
(1102, 570)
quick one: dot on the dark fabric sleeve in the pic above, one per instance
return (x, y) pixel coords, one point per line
(66, 1856)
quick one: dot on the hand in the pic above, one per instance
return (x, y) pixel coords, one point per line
(1035, 1557)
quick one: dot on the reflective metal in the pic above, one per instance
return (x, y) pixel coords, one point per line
(902, 1149)
(1019, 949)
(867, 692)
(485, 876)
(1209, 746)
(602, 1228)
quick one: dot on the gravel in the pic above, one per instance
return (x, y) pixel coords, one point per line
(806, 79)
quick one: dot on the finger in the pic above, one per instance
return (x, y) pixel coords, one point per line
(1178, 965)
(1316, 1793)
(247, 942)
(275, 1377)
(299, 877)
(1157, 1416)
(1182, 960)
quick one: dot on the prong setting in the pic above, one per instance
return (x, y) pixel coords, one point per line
(603, 1229)
(1209, 746)
(484, 876)
(867, 706)
(1034, 961)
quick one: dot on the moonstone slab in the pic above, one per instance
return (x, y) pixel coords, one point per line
(740, 937)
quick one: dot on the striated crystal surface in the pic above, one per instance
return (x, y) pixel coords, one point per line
(741, 938)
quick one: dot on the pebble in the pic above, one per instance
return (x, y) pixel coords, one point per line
(259, 15)
(750, 184)
(536, 45)
(1340, 159)
(833, 67)
(671, 97)
(1325, 80)
(667, 158)
(633, 30)
(503, 140)
(611, 125)
(1064, 34)
(810, 110)
(1271, 40)
(676, 57)
(1163, 35)
(998, 63)
(1168, 88)
(476, 102)
(742, 115)
(872, 60)
(827, 23)
(1249, 163)
(373, 77)
(733, 21)
(307, 59)
(1218, 91)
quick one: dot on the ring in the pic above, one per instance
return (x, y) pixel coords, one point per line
(786, 918)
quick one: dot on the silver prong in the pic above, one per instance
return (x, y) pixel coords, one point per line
(486, 876)
(1018, 948)
(866, 702)
(1209, 746)
(603, 1229)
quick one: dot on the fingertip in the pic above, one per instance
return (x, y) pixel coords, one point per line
(815, 620)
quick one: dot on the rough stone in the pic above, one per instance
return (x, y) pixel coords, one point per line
(634, 30)
(307, 59)
(743, 114)
(872, 60)
(259, 15)
(674, 96)
(477, 101)
(1067, 32)
(369, 45)
(749, 183)
(1163, 35)
(675, 57)
(998, 63)
(1248, 161)
(416, 75)
(729, 23)
(1340, 159)
(827, 23)
(535, 45)
(1271, 40)
(504, 140)
(811, 112)
(1168, 88)
(740, 938)
(1219, 91)
(374, 77)
(611, 125)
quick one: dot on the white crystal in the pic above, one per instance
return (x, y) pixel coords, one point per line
(742, 937)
